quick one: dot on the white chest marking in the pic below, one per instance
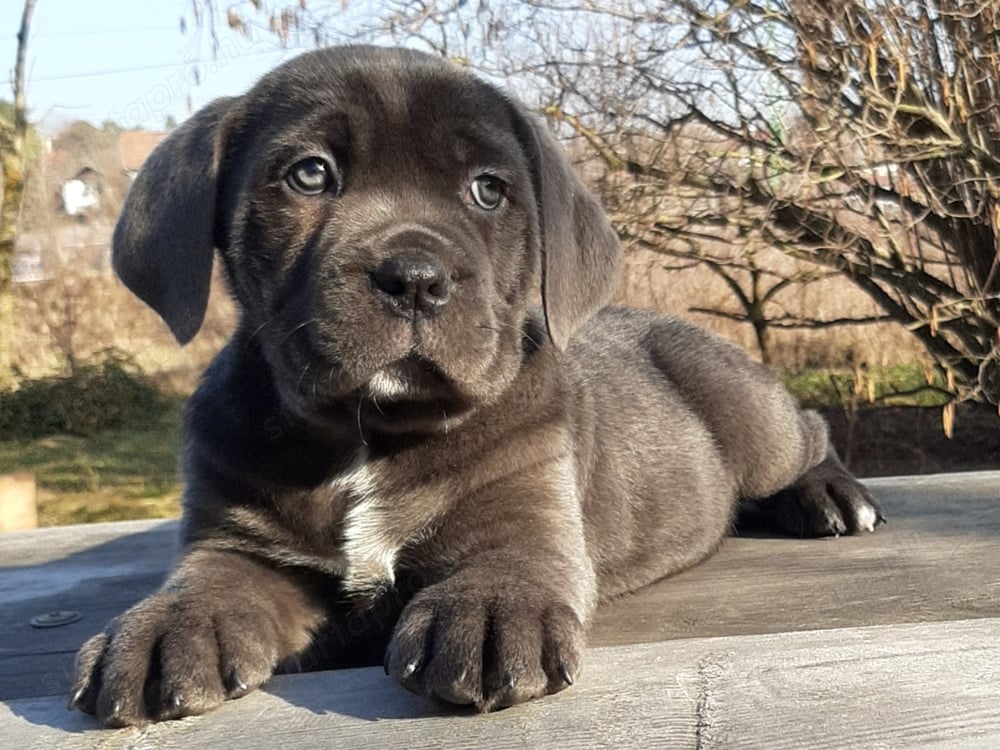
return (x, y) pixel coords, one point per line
(370, 546)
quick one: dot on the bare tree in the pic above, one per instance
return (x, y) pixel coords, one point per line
(12, 163)
(860, 137)
(883, 163)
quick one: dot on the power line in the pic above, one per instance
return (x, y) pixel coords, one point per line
(103, 32)
(159, 66)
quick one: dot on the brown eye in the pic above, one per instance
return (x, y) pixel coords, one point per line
(311, 176)
(487, 191)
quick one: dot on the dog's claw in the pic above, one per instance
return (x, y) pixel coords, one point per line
(409, 670)
(508, 680)
(74, 701)
(234, 682)
(564, 673)
(385, 662)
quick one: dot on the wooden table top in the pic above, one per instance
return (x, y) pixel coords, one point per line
(884, 640)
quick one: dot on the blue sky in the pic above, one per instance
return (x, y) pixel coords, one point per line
(125, 61)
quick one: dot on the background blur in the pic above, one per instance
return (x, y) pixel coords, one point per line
(820, 184)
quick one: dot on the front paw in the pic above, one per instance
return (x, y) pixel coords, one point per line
(491, 648)
(174, 654)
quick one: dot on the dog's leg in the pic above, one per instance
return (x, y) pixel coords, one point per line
(216, 630)
(507, 624)
(826, 500)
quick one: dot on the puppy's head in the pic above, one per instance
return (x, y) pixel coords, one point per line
(387, 221)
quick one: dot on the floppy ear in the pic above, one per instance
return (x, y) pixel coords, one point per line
(163, 243)
(581, 252)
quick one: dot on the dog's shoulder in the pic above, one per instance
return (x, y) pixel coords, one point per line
(625, 334)
(618, 332)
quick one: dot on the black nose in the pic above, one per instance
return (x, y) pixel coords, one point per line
(412, 285)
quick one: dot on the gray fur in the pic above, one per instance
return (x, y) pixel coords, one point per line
(466, 451)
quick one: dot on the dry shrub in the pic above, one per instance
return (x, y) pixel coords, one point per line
(73, 317)
(655, 282)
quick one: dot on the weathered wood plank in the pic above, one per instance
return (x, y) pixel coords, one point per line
(935, 561)
(930, 685)
(97, 570)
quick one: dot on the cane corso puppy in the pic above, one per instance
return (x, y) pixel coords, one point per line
(427, 410)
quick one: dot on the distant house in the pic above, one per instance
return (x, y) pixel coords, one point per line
(134, 146)
(81, 194)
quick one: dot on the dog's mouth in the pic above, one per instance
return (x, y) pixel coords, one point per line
(410, 393)
(406, 395)
(384, 374)
(412, 378)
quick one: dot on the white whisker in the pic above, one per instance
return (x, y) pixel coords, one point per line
(302, 376)
(259, 328)
(361, 432)
(300, 326)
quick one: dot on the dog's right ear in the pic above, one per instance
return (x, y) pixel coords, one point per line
(163, 243)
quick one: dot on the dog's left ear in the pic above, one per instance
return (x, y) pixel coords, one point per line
(581, 251)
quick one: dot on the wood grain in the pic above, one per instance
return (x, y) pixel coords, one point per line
(935, 561)
(932, 685)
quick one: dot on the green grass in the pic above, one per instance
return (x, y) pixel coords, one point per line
(114, 474)
(895, 385)
(132, 472)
